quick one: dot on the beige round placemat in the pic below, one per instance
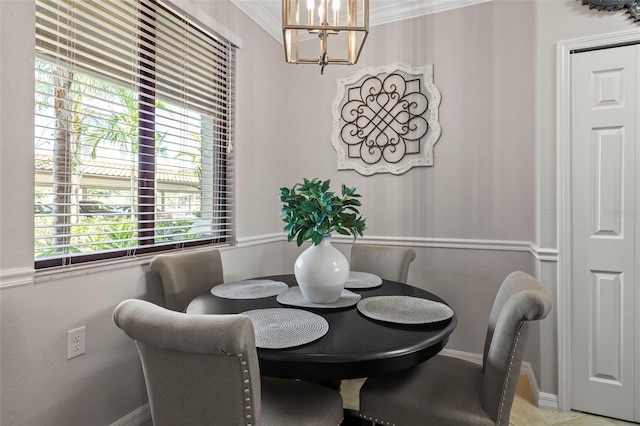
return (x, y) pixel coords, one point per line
(362, 280)
(249, 289)
(277, 328)
(293, 297)
(404, 309)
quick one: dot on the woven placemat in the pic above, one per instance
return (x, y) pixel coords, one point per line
(362, 280)
(249, 289)
(294, 297)
(404, 309)
(278, 328)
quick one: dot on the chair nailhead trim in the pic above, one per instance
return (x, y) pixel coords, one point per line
(506, 381)
(371, 419)
(247, 389)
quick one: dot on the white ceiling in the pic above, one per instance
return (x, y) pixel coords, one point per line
(268, 13)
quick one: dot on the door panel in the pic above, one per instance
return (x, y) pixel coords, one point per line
(606, 340)
(609, 181)
(603, 173)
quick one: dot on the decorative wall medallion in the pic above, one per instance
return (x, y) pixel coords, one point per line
(385, 120)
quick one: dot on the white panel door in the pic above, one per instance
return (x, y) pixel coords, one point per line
(604, 220)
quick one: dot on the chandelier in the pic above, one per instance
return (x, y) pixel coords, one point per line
(341, 27)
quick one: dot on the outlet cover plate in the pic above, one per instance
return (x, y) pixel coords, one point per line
(76, 339)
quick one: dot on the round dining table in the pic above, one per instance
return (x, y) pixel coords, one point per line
(355, 346)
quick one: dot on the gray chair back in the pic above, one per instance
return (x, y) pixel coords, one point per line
(187, 274)
(199, 369)
(521, 298)
(387, 262)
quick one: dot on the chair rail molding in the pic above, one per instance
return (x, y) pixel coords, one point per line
(544, 254)
(563, 194)
(16, 277)
(541, 254)
(26, 276)
(256, 240)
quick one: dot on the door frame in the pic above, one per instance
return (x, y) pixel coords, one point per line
(563, 182)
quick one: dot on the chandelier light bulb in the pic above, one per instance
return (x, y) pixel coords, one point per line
(336, 12)
(310, 6)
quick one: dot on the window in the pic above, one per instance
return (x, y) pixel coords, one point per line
(133, 131)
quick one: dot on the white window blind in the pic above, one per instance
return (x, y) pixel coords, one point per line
(134, 126)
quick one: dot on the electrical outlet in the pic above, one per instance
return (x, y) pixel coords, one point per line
(76, 342)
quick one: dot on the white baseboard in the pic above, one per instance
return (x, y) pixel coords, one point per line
(135, 418)
(548, 401)
(544, 400)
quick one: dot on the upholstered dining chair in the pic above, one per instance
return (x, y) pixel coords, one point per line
(187, 274)
(387, 262)
(203, 370)
(450, 391)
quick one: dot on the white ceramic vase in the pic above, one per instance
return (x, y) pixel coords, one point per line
(321, 272)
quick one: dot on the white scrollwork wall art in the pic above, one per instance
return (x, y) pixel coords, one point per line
(385, 120)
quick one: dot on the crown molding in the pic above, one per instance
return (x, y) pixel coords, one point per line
(267, 13)
(386, 13)
(263, 15)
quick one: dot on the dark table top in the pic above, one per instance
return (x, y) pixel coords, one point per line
(355, 346)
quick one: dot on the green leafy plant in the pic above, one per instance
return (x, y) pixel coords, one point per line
(310, 211)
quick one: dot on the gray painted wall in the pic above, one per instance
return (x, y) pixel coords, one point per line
(494, 179)
(482, 184)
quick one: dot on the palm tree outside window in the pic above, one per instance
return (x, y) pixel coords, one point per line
(133, 131)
